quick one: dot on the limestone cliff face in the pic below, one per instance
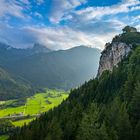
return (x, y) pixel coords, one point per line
(112, 55)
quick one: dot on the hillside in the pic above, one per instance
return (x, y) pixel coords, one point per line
(105, 108)
(13, 87)
(63, 69)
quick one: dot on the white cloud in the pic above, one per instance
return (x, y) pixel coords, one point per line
(13, 8)
(38, 15)
(65, 37)
(125, 6)
(59, 37)
(61, 8)
(86, 27)
(26, 2)
(62, 38)
(39, 2)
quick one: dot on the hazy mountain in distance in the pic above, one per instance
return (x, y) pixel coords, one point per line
(9, 54)
(54, 69)
(38, 48)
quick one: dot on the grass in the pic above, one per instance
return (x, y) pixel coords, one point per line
(22, 122)
(37, 104)
(3, 137)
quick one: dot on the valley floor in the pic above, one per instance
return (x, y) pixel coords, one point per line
(33, 106)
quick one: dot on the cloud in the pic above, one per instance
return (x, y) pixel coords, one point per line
(92, 26)
(60, 37)
(11, 8)
(98, 26)
(15, 37)
(55, 38)
(39, 2)
(26, 2)
(37, 14)
(61, 8)
(125, 6)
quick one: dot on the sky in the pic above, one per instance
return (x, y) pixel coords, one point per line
(63, 24)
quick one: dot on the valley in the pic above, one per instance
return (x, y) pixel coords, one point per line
(25, 74)
(23, 111)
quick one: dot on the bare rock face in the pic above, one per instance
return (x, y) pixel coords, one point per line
(112, 55)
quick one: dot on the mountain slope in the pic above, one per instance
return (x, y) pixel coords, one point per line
(63, 69)
(107, 108)
(13, 87)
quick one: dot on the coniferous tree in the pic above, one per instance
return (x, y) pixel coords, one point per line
(135, 105)
(90, 128)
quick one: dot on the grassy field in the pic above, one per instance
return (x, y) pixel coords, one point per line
(4, 137)
(37, 104)
(22, 122)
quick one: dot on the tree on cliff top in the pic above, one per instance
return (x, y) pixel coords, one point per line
(128, 29)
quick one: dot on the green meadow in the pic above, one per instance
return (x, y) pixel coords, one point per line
(4, 137)
(33, 106)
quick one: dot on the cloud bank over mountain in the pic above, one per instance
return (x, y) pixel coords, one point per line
(65, 24)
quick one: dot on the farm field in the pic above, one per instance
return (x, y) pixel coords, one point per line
(33, 106)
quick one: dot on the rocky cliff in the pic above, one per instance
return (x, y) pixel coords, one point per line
(112, 55)
(118, 49)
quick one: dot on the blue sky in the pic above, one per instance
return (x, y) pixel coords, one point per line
(62, 24)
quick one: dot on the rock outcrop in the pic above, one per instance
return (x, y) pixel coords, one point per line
(112, 54)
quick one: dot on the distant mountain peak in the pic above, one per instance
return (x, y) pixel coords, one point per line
(4, 45)
(84, 47)
(37, 48)
(38, 45)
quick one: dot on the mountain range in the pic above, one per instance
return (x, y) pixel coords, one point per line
(41, 67)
